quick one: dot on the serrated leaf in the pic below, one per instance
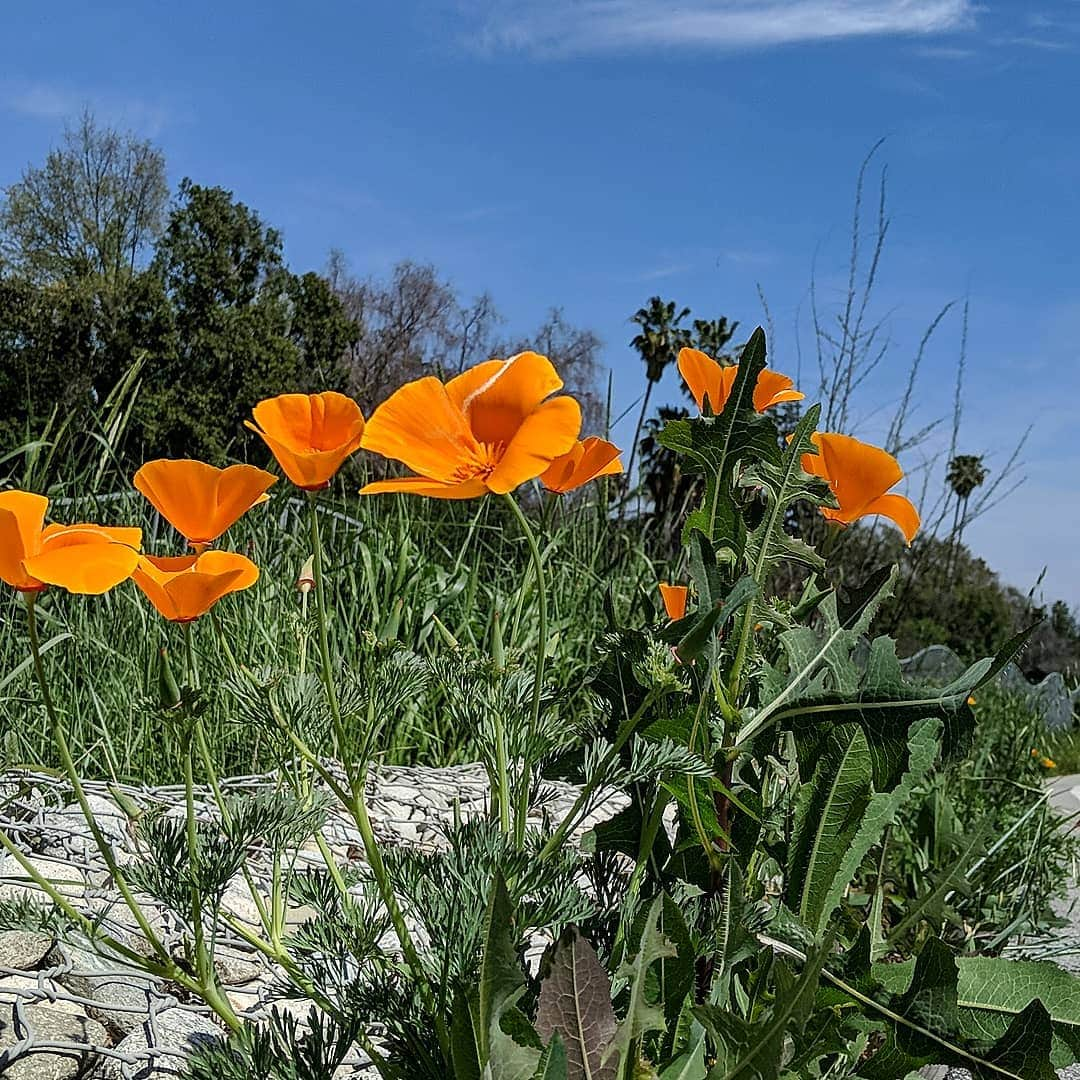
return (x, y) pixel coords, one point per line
(642, 1015)
(714, 446)
(756, 1050)
(575, 1007)
(839, 817)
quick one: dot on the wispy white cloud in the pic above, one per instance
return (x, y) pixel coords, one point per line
(579, 26)
(55, 102)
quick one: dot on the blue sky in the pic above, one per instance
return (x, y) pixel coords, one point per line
(591, 153)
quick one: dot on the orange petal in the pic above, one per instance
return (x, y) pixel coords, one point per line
(184, 589)
(497, 406)
(586, 460)
(22, 514)
(85, 559)
(199, 500)
(310, 435)
(899, 510)
(856, 471)
(705, 378)
(434, 489)
(674, 597)
(547, 433)
(772, 388)
(419, 426)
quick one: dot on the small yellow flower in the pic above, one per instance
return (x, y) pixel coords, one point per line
(1036, 753)
(1048, 763)
(971, 699)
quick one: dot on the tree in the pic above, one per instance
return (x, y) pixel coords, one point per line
(92, 210)
(657, 343)
(243, 327)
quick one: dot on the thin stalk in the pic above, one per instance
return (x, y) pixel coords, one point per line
(525, 780)
(356, 803)
(556, 839)
(60, 739)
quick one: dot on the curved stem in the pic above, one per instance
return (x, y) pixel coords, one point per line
(60, 739)
(525, 779)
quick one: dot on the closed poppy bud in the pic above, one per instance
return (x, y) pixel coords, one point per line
(674, 597)
(306, 581)
(310, 435)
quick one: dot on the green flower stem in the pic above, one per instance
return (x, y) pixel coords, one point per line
(555, 841)
(60, 739)
(525, 780)
(166, 969)
(324, 636)
(502, 780)
(219, 798)
(355, 801)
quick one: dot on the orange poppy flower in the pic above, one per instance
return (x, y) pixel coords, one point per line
(184, 588)
(584, 461)
(860, 476)
(674, 597)
(198, 500)
(709, 379)
(491, 428)
(87, 559)
(311, 435)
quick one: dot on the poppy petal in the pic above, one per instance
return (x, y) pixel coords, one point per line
(83, 561)
(200, 501)
(434, 489)
(898, 509)
(547, 433)
(420, 426)
(772, 388)
(22, 514)
(702, 374)
(857, 472)
(497, 407)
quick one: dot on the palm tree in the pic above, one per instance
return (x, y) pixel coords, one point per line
(966, 472)
(658, 344)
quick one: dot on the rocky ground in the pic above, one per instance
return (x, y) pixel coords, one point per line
(66, 1013)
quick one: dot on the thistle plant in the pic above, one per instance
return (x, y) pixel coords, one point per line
(692, 913)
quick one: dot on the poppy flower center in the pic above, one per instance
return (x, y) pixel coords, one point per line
(483, 463)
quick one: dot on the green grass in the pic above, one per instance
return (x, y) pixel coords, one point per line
(394, 564)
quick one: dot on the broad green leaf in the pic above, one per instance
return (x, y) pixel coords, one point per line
(688, 1066)
(839, 817)
(991, 991)
(575, 1008)
(927, 1024)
